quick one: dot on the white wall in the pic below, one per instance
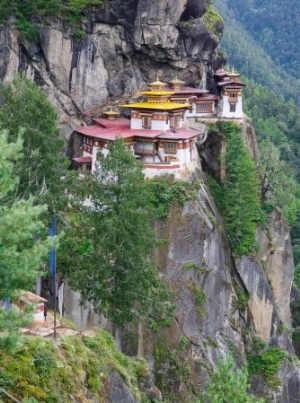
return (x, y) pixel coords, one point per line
(226, 108)
(155, 124)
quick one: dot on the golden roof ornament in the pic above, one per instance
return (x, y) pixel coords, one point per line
(111, 114)
(157, 85)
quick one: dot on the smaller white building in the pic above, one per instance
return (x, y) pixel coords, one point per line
(230, 105)
(38, 303)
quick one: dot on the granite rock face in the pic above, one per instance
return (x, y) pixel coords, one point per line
(211, 318)
(122, 48)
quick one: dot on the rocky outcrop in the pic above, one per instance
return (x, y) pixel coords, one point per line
(119, 50)
(212, 319)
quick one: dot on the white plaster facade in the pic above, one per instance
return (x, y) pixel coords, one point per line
(227, 110)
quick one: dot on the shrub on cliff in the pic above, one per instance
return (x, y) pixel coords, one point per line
(228, 385)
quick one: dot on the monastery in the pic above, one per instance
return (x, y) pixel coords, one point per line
(159, 131)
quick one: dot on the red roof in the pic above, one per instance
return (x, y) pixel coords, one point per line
(231, 83)
(179, 134)
(109, 134)
(30, 297)
(189, 90)
(124, 132)
(208, 97)
(112, 123)
(221, 72)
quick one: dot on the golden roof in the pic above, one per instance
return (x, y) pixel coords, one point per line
(158, 93)
(166, 106)
(111, 113)
(233, 74)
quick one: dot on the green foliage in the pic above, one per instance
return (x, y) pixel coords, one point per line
(297, 273)
(38, 371)
(250, 57)
(265, 362)
(194, 266)
(295, 312)
(242, 297)
(42, 164)
(171, 367)
(228, 385)
(237, 196)
(20, 254)
(28, 30)
(275, 34)
(200, 299)
(70, 11)
(213, 21)
(106, 252)
(165, 191)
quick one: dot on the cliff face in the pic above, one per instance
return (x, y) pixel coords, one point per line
(120, 49)
(123, 47)
(210, 315)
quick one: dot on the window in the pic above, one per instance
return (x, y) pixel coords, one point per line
(170, 148)
(233, 97)
(174, 121)
(146, 122)
(232, 107)
(204, 108)
(232, 94)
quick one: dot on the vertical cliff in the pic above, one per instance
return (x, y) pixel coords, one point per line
(214, 317)
(222, 303)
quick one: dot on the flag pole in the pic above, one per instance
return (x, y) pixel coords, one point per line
(53, 270)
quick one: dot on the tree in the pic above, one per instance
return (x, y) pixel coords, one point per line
(106, 254)
(238, 195)
(42, 163)
(20, 255)
(228, 385)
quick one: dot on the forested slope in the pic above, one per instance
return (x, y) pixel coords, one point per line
(252, 57)
(273, 24)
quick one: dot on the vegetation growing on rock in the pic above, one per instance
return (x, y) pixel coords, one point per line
(265, 361)
(165, 191)
(228, 384)
(213, 21)
(26, 11)
(237, 197)
(76, 367)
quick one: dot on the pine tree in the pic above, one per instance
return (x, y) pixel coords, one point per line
(106, 256)
(228, 385)
(42, 163)
(20, 255)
